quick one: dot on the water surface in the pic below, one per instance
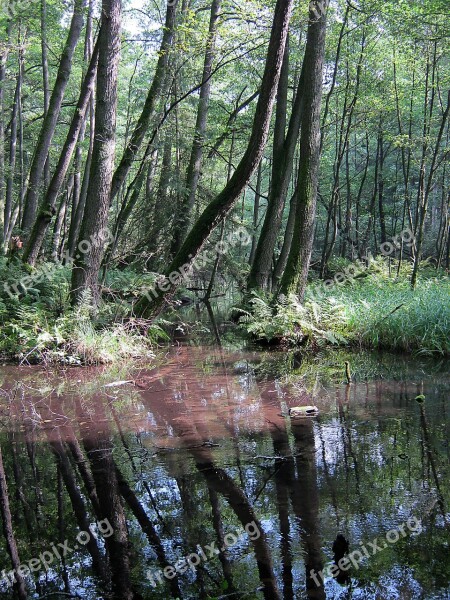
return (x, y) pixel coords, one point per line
(197, 457)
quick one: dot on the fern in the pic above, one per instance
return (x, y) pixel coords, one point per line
(289, 321)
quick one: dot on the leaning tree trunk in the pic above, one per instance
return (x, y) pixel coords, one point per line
(87, 266)
(48, 207)
(296, 272)
(218, 209)
(51, 117)
(184, 216)
(137, 137)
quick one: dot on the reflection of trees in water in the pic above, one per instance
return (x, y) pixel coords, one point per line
(99, 446)
(223, 484)
(97, 481)
(8, 532)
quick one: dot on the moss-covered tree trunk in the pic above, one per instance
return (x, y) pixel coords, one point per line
(296, 272)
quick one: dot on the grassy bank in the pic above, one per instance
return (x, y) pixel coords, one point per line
(38, 325)
(377, 311)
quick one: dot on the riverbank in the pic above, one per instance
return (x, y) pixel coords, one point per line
(377, 311)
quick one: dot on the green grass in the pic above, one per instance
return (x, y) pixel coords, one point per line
(375, 312)
(40, 326)
(381, 313)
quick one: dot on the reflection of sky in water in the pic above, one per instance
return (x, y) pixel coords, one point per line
(362, 467)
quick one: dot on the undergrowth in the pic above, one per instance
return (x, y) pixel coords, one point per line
(375, 312)
(39, 325)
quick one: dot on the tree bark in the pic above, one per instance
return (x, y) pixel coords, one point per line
(295, 276)
(218, 209)
(87, 266)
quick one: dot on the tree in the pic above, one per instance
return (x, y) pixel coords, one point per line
(218, 209)
(296, 273)
(48, 207)
(87, 265)
(51, 117)
(282, 167)
(184, 213)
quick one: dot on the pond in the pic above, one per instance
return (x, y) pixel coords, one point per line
(189, 479)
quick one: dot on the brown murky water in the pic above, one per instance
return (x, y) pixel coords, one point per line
(191, 481)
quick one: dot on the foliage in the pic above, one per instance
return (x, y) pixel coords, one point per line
(40, 325)
(377, 312)
(289, 321)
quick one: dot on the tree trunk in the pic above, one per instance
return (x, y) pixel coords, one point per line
(45, 79)
(260, 270)
(51, 118)
(48, 207)
(218, 209)
(381, 212)
(184, 217)
(295, 276)
(423, 207)
(3, 59)
(13, 148)
(256, 215)
(77, 218)
(282, 167)
(287, 242)
(58, 229)
(95, 220)
(148, 111)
